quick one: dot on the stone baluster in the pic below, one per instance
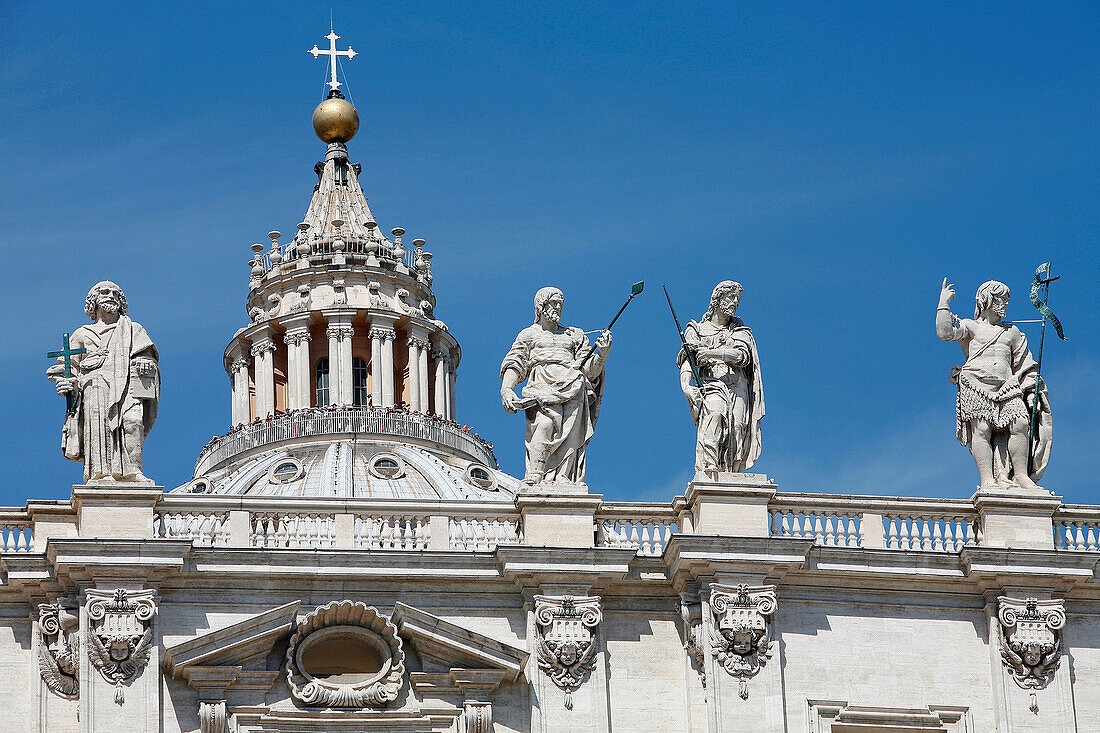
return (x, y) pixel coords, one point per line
(263, 352)
(297, 340)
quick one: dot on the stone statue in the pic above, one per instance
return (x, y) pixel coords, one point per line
(996, 390)
(729, 405)
(115, 390)
(562, 395)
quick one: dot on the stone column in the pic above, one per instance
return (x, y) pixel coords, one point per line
(389, 399)
(452, 378)
(263, 350)
(238, 372)
(418, 369)
(339, 334)
(377, 336)
(442, 356)
(297, 340)
(414, 372)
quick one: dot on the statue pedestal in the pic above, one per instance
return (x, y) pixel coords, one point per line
(116, 510)
(554, 520)
(730, 504)
(1017, 518)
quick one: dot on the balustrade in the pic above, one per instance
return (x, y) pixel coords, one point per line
(357, 420)
(482, 534)
(838, 528)
(392, 532)
(15, 536)
(630, 525)
(298, 530)
(1077, 528)
(205, 529)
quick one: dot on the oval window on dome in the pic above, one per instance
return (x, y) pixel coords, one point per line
(387, 465)
(481, 477)
(201, 486)
(285, 471)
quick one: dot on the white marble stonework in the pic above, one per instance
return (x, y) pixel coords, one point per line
(350, 557)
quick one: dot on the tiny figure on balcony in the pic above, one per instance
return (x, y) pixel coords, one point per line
(563, 392)
(729, 404)
(113, 390)
(996, 389)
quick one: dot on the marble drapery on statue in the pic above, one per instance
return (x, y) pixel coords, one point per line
(115, 390)
(996, 389)
(729, 405)
(562, 396)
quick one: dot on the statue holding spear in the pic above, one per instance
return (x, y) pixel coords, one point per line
(561, 400)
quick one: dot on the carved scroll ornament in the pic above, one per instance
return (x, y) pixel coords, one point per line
(120, 636)
(566, 639)
(741, 638)
(59, 649)
(1031, 639)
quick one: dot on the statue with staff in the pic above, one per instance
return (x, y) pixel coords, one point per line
(1002, 409)
(719, 354)
(108, 373)
(564, 389)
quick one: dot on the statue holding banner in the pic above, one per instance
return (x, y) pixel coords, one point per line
(563, 392)
(996, 391)
(727, 402)
(112, 384)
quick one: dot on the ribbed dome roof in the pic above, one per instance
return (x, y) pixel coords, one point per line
(346, 469)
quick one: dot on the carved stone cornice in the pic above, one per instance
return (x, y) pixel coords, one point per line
(566, 628)
(120, 636)
(1031, 639)
(741, 638)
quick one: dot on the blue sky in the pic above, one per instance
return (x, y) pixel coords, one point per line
(839, 159)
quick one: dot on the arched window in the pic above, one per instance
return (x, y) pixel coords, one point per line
(322, 381)
(359, 381)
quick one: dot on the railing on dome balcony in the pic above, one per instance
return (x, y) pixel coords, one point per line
(922, 525)
(311, 422)
(355, 245)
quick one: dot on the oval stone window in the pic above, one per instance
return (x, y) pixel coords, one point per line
(387, 465)
(344, 655)
(480, 476)
(285, 471)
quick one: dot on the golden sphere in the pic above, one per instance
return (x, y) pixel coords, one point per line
(335, 120)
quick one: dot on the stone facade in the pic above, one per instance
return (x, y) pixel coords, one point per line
(353, 563)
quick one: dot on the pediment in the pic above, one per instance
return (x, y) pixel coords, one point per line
(457, 647)
(217, 658)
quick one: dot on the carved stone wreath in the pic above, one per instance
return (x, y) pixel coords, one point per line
(58, 640)
(120, 635)
(566, 639)
(1031, 639)
(371, 673)
(741, 639)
